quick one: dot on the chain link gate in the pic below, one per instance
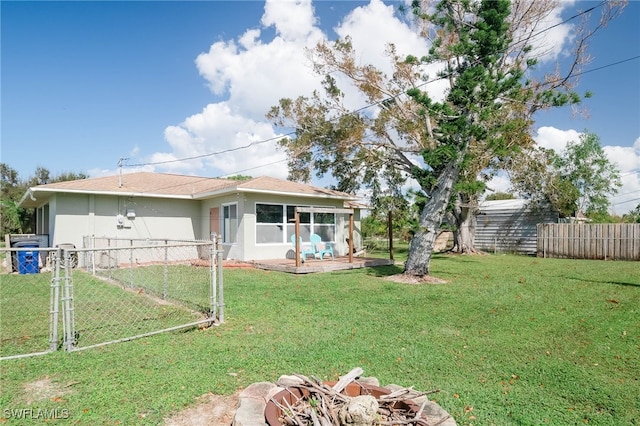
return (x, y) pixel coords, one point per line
(29, 305)
(123, 293)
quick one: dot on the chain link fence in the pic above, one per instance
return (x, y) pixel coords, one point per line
(26, 297)
(83, 298)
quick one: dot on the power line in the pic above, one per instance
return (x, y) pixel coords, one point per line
(607, 66)
(224, 151)
(202, 179)
(626, 201)
(374, 103)
(251, 168)
(625, 193)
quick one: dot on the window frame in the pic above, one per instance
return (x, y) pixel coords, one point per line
(284, 224)
(229, 236)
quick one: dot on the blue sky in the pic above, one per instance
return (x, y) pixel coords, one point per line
(86, 83)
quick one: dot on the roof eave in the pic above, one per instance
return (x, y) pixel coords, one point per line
(28, 194)
(209, 194)
(33, 192)
(297, 194)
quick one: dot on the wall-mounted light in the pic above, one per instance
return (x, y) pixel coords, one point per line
(131, 214)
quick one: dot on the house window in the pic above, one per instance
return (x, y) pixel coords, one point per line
(275, 223)
(229, 223)
(305, 224)
(269, 220)
(324, 224)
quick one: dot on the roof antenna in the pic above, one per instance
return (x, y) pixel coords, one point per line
(120, 163)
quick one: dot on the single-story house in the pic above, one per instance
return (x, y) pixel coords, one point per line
(255, 217)
(510, 225)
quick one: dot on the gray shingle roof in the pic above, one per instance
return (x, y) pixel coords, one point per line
(181, 186)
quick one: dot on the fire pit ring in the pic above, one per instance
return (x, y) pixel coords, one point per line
(292, 394)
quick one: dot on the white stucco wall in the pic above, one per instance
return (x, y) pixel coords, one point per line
(254, 251)
(231, 251)
(78, 215)
(73, 216)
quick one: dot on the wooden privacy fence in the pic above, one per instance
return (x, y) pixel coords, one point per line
(615, 241)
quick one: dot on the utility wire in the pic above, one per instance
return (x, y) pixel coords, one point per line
(607, 66)
(624, 202)
(374, 103)
(251, 168)
(625, 193)
(224, 151)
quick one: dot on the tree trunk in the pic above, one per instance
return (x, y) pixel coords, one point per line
(421, 247)
(464, 213)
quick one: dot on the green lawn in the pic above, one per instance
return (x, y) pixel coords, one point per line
(510, 341)
(24, 313)
(187, 285)
(102, 311)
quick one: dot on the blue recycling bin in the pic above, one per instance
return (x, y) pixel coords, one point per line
(28, 260)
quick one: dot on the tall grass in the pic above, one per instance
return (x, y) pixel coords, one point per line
(508, 340)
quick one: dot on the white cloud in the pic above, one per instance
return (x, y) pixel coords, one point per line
(235, 139)
(627, 159)
(372, 28)
(294, 19)
(250, 74)
(254, 75)
(499, 183)
(551, 35)
(556, 139)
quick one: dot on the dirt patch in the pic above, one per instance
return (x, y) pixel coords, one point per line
(210, 409)
(412, 279)
(230, 263)
(45, 389)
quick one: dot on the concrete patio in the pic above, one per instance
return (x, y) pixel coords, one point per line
(317, 265)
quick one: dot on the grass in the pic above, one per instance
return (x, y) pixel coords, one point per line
(24, 313)
(102, 311)
(185, 284)
(510, 341)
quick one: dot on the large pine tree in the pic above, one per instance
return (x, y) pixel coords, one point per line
(485, 117)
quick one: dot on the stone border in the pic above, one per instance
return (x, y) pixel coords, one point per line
(254, 398)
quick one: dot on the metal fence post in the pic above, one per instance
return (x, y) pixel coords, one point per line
(69, 320)
(131, 265)
(165, 271)
(220, 280)
(93, 254)
(54, 303)
(213, 277)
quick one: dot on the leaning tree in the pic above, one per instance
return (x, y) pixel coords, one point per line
(486, 51)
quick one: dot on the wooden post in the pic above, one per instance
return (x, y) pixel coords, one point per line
(7, 244)
(296, 230)
(351, 237)
(324, 210)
